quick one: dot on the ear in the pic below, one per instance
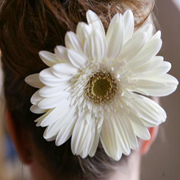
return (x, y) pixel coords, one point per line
(145, 145)
(20, 138)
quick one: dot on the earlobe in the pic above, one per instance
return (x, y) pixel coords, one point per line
(20, 138)
(147, 144)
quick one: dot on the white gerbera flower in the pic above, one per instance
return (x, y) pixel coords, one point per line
(92, 88)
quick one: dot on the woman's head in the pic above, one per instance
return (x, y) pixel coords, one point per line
(26, 27)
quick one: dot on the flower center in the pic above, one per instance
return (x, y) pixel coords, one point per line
(101, 87)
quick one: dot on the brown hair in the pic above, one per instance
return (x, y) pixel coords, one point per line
(28, 26)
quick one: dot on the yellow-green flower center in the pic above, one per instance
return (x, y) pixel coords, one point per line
(101, 87)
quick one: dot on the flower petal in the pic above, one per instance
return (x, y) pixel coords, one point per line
(61, 53)
(66, 128)
(48, 78)
(66, 125)
(88, 48)
(39, 120)
(64, 70)
(163, 68)
(128, 130)
(121, 135)
(58, 113)
(72, 42)
(47, 91)
(95, 22)
(147, 28)
(147, 67)
(114, 37)
(35, 109)
(48, 58)
(157, 35)
(150, 112)
(109, 139)
(54, 114)
(157, 86)
(78, 60)
(95, 144)
(139, 128)
(83, 31)
(51, 131)
(98, 46)
(36, 98)
(83, 136)
(156, 66)
(133, 47)
(149, 51)
(33, 80)
(51, 102)
(128, 25)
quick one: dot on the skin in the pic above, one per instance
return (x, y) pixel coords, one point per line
(134, 167)
(28, 154)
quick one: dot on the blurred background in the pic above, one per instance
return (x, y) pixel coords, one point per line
(163, 160)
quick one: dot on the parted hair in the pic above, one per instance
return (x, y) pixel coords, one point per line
(28, 26)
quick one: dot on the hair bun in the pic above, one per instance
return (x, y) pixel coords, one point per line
(107, 8)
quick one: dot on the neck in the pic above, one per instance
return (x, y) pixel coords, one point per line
(129, 171)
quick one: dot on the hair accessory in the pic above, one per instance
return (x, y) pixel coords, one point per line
(95, 87)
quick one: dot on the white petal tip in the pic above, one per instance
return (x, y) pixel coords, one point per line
(27, 80)
(33, 80)
(89, 12)
(128, 12)
(43, 54)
